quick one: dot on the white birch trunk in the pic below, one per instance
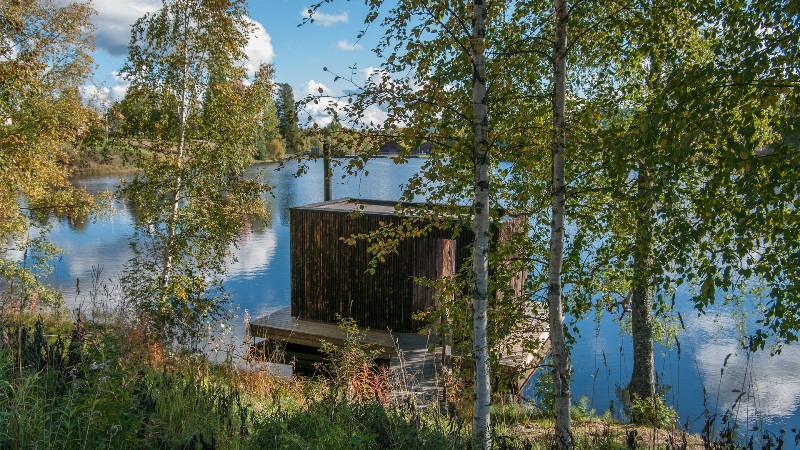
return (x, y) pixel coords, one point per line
(561, 370)
(481, 436)
(176, 191)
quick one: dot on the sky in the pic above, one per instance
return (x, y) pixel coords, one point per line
(298, 52)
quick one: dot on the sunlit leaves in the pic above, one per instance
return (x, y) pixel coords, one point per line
(44, 58)
(194, 121)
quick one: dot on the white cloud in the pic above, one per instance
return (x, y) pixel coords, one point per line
(259, 48)
(379, 77)
(95, 95)
(369, 72)
(373, 115)
(320, 110)
(253, 255)
(770, 382)
(325, 20)
(114, 19)
(104, 94)
(347, 46)
(8, 49)
(120, 86)
(314, 88)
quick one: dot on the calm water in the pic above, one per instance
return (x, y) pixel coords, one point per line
(602, 357)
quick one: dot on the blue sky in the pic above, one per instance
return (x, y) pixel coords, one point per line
(298, 53)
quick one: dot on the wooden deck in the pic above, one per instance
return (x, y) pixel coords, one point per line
(413, 368)
(280, 326)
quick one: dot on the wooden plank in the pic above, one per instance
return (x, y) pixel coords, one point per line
(414, 370)
(281, 326)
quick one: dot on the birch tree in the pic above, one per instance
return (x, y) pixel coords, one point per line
(644, 152)
(754, 85)
(481, 431)
(195, 129)
(561, 369)
(444, 64)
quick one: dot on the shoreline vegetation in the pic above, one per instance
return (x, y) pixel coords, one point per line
(116, 166)
(302, 412)
(88, 383)
(99, 163)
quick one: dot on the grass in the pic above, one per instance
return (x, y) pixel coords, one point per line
(108, 386)
(84, 384)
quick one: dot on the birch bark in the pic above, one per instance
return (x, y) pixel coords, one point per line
(481, 437)
(561, 371)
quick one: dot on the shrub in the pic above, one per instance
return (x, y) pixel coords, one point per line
(653, 411)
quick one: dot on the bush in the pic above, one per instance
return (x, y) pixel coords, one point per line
(353, 366)
(653, 411)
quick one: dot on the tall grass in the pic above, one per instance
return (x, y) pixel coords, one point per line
(104, 386)
(107, 384)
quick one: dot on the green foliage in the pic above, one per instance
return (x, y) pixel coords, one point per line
(271, 151)
(511, 414)
(44, 58)
(21, 287)
(425, 86)
(582, 410)
(353, 366)
(193, 119)
(107, 386)
(652, 411)
(329, 424)
(267, 142)
(543, 390)
(86, 392)
(287, 118)
(681, 153)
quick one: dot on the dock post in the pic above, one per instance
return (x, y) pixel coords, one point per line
(326, 167)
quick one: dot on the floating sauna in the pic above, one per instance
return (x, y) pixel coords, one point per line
(331, 278)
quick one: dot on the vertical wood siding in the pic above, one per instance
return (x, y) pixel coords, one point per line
(330, 278)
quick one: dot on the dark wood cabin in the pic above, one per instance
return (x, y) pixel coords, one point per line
(330, 278)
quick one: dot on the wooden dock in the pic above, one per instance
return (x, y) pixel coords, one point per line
(414, 370)
(280, 326)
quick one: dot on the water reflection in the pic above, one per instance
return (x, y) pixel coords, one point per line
(751, 384)
(253, 255)
(103, 243)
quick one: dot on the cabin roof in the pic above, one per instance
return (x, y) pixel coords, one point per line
(376, 207)
(349, 205)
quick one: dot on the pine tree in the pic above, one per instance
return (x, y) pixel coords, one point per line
(287, 118)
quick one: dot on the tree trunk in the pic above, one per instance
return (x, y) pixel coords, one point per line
(176, 191)
(643, 380)
(561, 370)
(642, 383)
(481, 436)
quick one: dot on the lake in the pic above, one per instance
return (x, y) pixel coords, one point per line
(602, 357)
